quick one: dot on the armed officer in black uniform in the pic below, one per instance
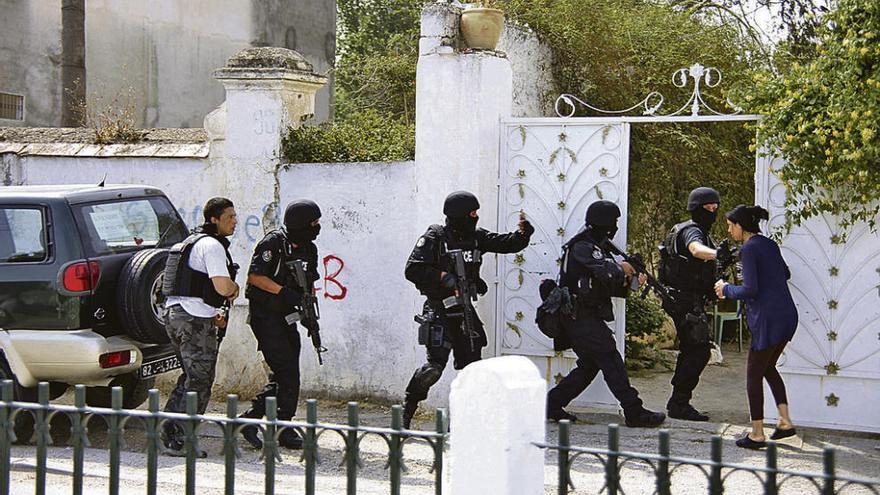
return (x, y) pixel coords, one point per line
(687, 264)
(432, 269)
(593, 276)
(275, 300)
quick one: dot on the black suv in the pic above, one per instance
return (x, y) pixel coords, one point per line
(81, 288)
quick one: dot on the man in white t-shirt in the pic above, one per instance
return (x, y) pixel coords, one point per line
(199, 285)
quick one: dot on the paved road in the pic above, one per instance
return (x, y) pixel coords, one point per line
(721, 394)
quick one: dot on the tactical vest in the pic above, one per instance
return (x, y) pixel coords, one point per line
(679, 269)
(181, 280)
(473, 257)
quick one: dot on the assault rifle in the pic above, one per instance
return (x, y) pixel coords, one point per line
(310, 314)
(725, 258)
(638, 264)
(465, 294)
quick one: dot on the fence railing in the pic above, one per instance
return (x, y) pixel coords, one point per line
(153, 420)
(716, 471)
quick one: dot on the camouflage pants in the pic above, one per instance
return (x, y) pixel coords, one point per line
(195, 340)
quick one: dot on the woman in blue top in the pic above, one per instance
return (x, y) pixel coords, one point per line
(770, 313)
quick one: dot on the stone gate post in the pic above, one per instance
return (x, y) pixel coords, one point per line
(496, 414)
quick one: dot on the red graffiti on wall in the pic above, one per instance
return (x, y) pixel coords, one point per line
(331, 263)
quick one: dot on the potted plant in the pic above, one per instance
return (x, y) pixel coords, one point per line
(481, 26)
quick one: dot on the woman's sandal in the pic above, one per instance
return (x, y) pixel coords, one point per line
(780, 434)
(747, 443)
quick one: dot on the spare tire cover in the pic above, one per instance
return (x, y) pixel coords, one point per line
(139, 296)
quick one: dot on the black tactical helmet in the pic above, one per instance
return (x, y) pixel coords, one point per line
(602, 213)
(460, 204)
(300, 214)
(702, 196)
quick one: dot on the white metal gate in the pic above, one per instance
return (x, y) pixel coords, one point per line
(552, 171)
(832, 367)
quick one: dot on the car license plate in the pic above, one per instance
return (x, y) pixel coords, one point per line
(159, 366)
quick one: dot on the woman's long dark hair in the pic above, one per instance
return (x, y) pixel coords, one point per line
(748, 217)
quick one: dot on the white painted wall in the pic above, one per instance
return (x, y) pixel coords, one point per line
(368, 231)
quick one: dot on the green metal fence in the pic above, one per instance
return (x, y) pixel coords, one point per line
(716, 471)
(152, 420)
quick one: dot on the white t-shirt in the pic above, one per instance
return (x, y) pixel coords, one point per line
(207, 256)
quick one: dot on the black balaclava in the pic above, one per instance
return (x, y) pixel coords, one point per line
(602, 217)
(699, 197)
(457, 209)
(748, 217)
(298, 218)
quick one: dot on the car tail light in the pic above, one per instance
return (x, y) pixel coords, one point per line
(114, 359)
(82, 276)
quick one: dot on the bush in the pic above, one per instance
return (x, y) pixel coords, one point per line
(365, 136)
(645, 321)
(824, 115)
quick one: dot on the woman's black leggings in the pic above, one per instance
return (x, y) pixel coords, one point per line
(762, 365)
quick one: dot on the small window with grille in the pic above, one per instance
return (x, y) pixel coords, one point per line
(11, 106)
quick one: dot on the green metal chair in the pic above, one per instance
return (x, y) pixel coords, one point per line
(720, 317)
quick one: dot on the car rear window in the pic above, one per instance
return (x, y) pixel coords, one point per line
(127, 225)
(22, 235)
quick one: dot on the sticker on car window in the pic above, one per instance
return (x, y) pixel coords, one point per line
(110, 225)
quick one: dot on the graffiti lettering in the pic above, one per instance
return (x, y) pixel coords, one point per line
(331, 279)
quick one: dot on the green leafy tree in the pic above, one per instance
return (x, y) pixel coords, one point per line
(824, 117)
(377, 53)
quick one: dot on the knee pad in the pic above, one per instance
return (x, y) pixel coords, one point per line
(428, 375)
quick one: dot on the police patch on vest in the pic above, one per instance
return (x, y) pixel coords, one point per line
(421, 242)
(597, 254)
(267, 255)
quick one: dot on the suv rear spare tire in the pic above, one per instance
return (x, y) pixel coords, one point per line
(140, 299)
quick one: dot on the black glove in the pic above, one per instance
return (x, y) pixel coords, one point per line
(448, 281)
(289, 297)
(482, 288)
(527, 228)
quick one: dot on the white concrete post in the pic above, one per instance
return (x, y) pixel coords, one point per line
(267, 90)
(497, 413)
(460, 98)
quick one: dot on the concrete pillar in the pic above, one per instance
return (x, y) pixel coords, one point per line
(461, 95)
(497, 413)
(268, 90)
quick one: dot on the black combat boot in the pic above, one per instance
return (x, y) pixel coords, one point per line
(290, 439)
(685, 411)
(643, 418)
(251, 434)
(559, 414)
(409, 410)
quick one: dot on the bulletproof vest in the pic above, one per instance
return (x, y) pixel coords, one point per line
(181, 280)
(678, 267)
